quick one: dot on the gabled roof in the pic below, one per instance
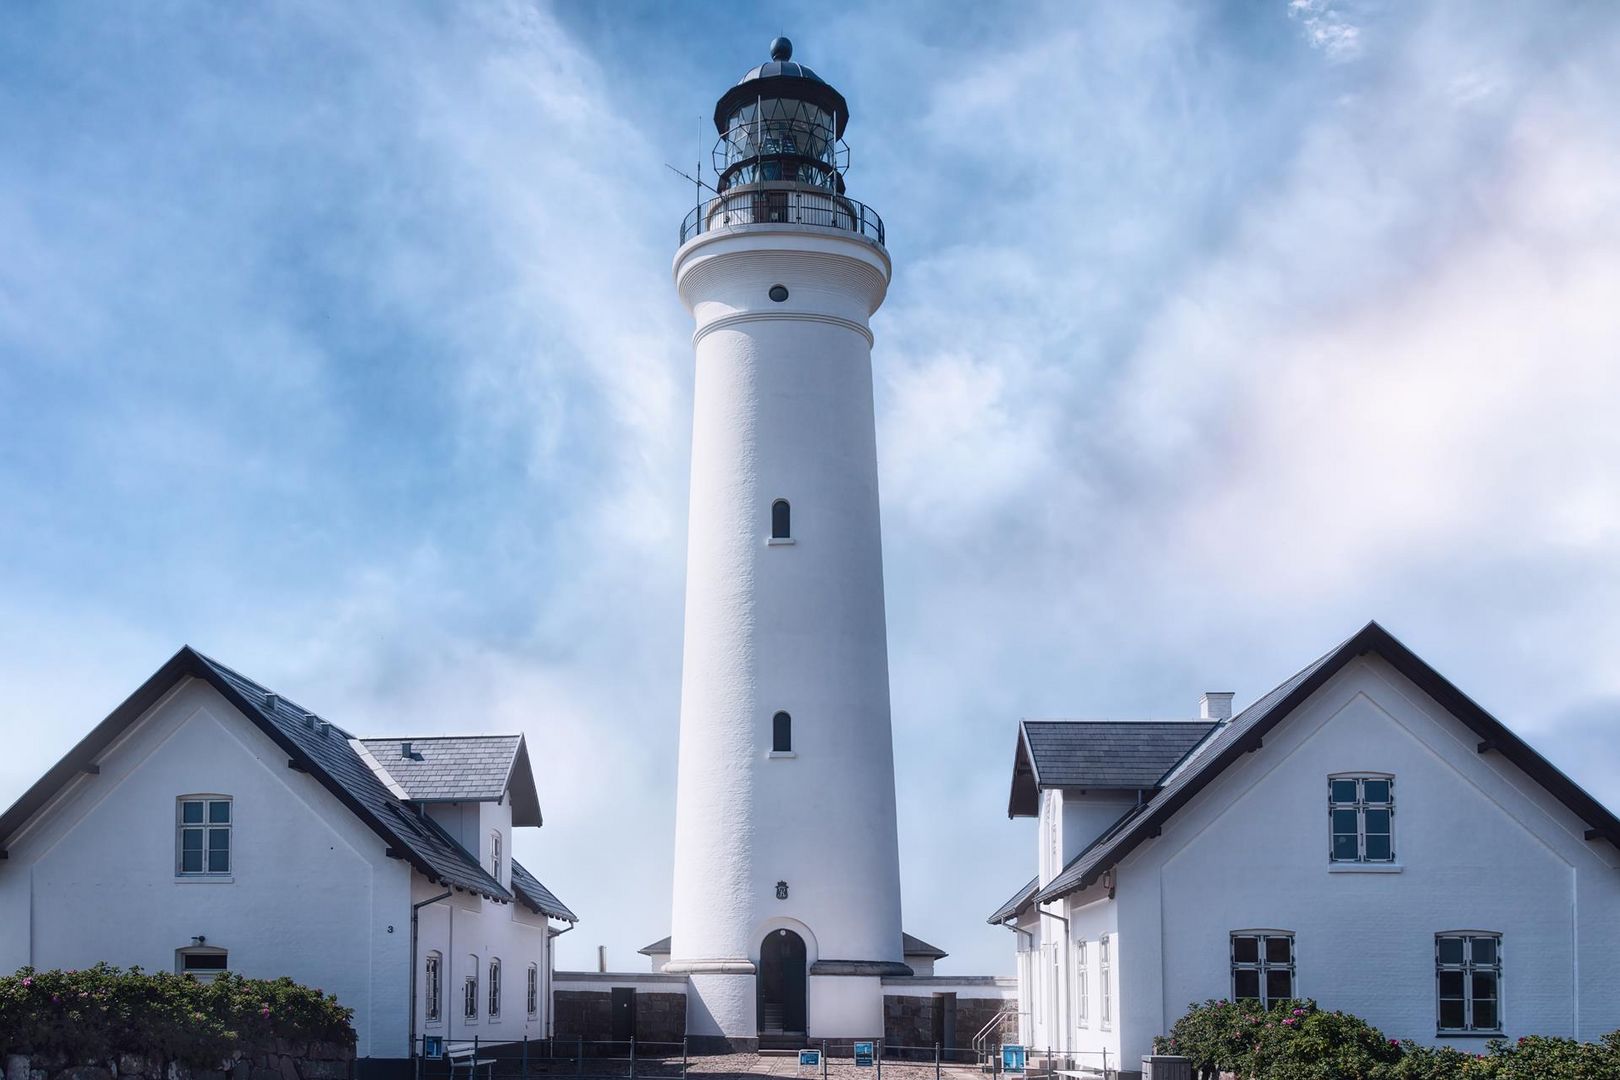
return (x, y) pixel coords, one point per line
(1015, 906)
(462, 768)
(1246, 731)
(312, 745)
(657, 948)
(1096, 754)
(538, 898)
(916, 946)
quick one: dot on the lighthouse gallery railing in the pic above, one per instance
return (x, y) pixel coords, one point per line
(788, 206)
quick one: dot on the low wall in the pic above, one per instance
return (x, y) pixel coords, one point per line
(583, 1005)
(949, 1010)
(288, 1061)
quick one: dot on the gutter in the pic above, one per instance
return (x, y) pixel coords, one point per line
(415, 909)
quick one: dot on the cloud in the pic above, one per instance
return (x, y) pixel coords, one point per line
(342, 345)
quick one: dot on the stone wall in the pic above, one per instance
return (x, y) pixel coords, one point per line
(588, 1014)
(287, 1061)
(910, 1020)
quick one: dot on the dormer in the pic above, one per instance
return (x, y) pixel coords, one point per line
(1080, 777)
(478, 788)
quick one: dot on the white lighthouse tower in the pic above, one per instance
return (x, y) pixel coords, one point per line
(787, 886)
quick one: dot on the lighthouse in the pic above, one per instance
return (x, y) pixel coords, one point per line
(786, 913)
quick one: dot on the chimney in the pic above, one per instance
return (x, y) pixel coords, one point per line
(1215, 705)
(601, 958)
(404, 749)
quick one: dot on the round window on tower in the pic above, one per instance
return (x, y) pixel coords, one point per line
(779, 293)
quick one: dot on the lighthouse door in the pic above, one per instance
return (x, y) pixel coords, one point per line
(781, 984)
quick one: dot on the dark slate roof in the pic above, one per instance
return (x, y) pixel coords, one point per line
(1246, 731)
(462, 768)
(313, 745)
(539, 898)
(916, 946)
(1106, 754)
(1018, 902)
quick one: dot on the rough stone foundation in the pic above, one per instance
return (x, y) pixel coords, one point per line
(288, 1061)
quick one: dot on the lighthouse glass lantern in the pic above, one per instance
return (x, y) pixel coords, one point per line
(780, 156)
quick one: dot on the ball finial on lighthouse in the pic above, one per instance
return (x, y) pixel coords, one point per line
(781, 49)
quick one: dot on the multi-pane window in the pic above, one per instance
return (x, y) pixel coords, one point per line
(1105, 970)
(1362, 811)
(204, 835)
(202, 963)
(781, 733)
(1081, 995)
(1468, 978)
(534, 991)
(469, 991)
(495, 854)
(430, 986)
(1263, 966)
(494, 988)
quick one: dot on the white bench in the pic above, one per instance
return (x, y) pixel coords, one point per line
(464, 1055)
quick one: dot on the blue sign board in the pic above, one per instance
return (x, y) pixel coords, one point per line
(433, 1047)
(809, 1057)
(1012, 1059)
(863, 1055)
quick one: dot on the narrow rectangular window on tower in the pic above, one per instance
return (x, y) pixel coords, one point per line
(781, 733)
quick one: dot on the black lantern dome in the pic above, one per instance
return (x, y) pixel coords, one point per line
(781, 122)
(780, 159)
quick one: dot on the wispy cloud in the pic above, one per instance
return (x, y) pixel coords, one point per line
(340, 342)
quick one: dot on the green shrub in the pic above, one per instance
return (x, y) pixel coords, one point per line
(1295, 1040)
(103, 1011)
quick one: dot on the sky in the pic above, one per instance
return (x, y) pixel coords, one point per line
(339, 342)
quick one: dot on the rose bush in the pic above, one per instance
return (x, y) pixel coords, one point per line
(1295, 1040)
(100, 1012)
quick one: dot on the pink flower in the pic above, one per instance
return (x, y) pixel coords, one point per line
(265, 1012)
(1290, 1020)
(56, 999)
(1394, 1042)
(28, 980)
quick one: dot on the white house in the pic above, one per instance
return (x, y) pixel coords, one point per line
(1364, 834)
(209, 824)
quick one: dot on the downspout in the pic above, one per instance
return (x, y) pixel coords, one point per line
(1022, 990)
(1063, 961)
(551, 980)
(415, 908)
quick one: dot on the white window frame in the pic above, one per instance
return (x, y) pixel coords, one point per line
(533, 996)
(433, 987)
(1105, 971)
(469, 993)
(203, 975)
(1263, 965)
(1082, 999)
(1359, 806)
(1469, 968)
(206, 830)
(494, 988)
(495, 855)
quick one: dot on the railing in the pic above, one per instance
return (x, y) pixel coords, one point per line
(530, 1059)
(991, 1032)
(788, 206)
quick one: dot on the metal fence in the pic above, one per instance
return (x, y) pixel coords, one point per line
(603, 1059)
(599, 1059)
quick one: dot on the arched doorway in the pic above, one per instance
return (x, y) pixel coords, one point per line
(781, 984)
